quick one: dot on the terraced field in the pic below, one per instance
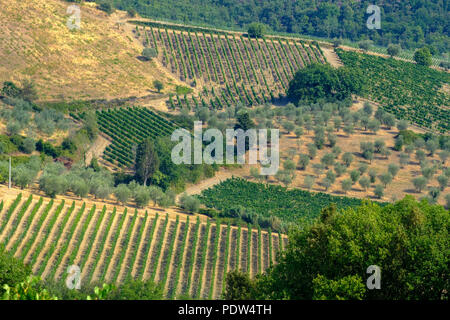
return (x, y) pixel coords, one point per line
(186, 255)
(229, 67)
(127, 127)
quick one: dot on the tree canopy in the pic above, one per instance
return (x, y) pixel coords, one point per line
(322, 81)
(411, 25)
(407, 240)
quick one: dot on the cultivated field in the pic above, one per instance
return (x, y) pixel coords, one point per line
(227, 68)
(127, 127)
(183, 252)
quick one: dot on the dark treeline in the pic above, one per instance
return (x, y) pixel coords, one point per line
(410, 23)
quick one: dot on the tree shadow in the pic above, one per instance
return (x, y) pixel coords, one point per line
(142, 58)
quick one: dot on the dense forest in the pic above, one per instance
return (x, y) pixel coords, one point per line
(410, 23)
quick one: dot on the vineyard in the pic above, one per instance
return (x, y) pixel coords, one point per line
(127, 127)
(230, 68)
(405, 89)
(185, 255)
(271, 200)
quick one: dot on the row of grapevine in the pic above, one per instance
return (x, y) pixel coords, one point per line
(407, 90)
(47, 254)
(226, 60)
(187, 257)
(128, 127)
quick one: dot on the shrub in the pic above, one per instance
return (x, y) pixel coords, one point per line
(189, 203)
(423, 57)
(379, 191)
(141, 196)
(346, 185)
(107, 7)
(149, 53)
(256, 30)
(122, 193)
(419, 183)
(354, 175)
(364, 182)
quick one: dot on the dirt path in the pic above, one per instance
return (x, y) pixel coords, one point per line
(332, 57)
(221, 175)
(97, 148)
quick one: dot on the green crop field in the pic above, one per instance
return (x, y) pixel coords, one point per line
(271, 200)
(112, 245)
(128, 127)
(228, 68)
(405, 89)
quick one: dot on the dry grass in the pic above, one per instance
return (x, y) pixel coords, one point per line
(98, 61)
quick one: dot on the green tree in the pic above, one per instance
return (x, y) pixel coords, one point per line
(12, 270)
(346, 185)
(419, 183)
(189, 203)
(322, 81)
(347, 159)
(408, 243)
(149, 53)
(365, 44)
(386, 178)
(122, 193)
(393, 50)
(423, 57)
(364, 182)
(346, 288)
(243, 121)
(256, 30)
(238, 286)
(106, 6)
(155, 193)
(141, 196)
(11, 90)
(303, 161)
(379, 191)
(147, 161)
(158, 85)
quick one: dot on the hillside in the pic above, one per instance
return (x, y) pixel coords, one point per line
(412, 24)
(183, 252)
(98, 61)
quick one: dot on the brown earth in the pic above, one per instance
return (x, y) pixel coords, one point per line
(100, 60)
